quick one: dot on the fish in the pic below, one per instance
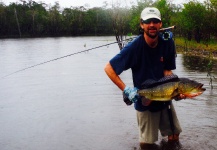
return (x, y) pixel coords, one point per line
(169, 88)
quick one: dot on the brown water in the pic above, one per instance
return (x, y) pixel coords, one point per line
(70, 104)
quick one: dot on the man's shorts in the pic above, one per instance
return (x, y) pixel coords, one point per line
(150, 122)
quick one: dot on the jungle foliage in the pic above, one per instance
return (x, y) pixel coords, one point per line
(194, 20)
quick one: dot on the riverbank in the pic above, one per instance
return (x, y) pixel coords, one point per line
(197, 52)
(197, 49)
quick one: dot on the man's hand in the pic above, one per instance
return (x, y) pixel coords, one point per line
(126, 100)
(180, 97)
(131, 93)
(146, 102)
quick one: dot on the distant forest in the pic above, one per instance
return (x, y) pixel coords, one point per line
(194, 20)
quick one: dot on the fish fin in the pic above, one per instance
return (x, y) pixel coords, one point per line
(169, 78)
(152, 83)
(148, 83)
(146, 102)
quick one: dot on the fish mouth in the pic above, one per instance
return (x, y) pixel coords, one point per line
(200, 88)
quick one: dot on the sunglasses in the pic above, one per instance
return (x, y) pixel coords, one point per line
(148, 21)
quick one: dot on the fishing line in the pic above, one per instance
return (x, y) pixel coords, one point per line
(45, 62)
(129, 39)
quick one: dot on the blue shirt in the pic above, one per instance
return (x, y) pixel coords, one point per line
(145, 62)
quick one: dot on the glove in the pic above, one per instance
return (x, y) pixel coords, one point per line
(126, 100)
(131, 93)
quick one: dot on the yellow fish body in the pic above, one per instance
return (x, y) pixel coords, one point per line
(168, 90)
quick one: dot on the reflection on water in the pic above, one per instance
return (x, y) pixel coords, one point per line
(195, 63)
(71, 104)
(202, 65)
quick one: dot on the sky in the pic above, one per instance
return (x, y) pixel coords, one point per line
(90, 3)
(68, 3)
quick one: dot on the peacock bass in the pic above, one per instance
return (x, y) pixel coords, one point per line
(170, 87)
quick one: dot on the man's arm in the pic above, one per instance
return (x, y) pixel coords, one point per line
(114, 77)
(168, 72)
(130, 93)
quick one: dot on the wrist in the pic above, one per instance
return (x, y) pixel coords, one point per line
(131, 93)
(126, 87)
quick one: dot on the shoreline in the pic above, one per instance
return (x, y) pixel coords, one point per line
(197, 52)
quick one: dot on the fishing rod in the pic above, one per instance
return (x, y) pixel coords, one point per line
(45, 62)
(168, 28)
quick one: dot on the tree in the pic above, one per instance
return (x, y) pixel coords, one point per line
(135, 12)
(120, 18)
(193, 19)
(166, 11)
(211, 17)
(3, 19)
(55, 20)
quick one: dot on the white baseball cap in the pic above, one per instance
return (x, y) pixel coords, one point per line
(150, 12)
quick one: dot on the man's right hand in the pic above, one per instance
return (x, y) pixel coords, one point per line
(131, 93)
(180, 97)
(145, 101)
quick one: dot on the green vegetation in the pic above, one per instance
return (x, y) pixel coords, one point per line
(195, 21)
(185, 46)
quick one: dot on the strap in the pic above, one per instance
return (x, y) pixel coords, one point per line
(170, 117)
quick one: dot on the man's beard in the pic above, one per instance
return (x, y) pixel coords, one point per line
(151, 35)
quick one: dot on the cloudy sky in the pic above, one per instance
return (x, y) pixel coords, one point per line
(90, 3)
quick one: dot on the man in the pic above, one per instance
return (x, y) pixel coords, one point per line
(149, 57)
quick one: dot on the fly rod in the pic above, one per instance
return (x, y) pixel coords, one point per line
(168, 28)
(45, 62)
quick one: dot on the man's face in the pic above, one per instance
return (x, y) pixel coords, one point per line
(151, 27)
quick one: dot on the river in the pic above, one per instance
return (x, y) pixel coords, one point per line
(70, 103)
